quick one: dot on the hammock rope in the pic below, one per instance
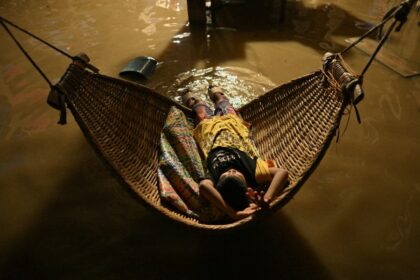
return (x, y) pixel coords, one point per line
(399, 13)
(56, 98)
(293, 124)
(2, 21)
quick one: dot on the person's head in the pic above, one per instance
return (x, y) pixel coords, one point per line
(232, 186)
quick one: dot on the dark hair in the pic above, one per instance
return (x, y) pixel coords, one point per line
(233, 192)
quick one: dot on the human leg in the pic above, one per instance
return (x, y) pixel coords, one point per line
(221, 101)
(200, 108)
(216, 94)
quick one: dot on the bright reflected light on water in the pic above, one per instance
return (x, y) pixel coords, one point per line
(241, 85)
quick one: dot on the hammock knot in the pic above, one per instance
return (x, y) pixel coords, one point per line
(83, 60)
(354, 90)
(57, 100)
(340, 74)
(327, 59)
(402, 14)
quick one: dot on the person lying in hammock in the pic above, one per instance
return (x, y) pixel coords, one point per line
(236, 173)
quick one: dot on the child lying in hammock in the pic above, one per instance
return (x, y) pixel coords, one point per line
(235, 171)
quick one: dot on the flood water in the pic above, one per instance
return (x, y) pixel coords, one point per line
(64, 217)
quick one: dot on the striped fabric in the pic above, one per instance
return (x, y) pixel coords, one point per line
(180, 169)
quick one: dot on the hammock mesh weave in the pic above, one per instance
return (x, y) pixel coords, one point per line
(292, 124)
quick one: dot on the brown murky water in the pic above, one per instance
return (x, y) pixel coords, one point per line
(63, 217)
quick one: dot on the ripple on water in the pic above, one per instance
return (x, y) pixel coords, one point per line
(241, 85)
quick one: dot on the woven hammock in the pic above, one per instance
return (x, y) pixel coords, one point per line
(293, 124)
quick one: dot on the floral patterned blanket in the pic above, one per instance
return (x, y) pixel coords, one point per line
(180, 169)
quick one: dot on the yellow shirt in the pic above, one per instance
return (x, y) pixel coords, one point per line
(230, 131)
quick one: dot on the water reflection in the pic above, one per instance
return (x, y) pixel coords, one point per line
(403, 222)
(391, 103)
(174, 5)
(241, 85)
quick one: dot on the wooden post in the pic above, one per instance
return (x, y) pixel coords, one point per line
(196, 11)
(282, 10)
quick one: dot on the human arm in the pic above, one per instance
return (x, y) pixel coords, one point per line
(278, 182)
(210, 193)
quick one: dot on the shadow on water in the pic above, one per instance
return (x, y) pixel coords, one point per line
(93, 229)
(270, 249)
(240, 24)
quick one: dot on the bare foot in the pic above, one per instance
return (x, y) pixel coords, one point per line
(189, 99)
(216, 94)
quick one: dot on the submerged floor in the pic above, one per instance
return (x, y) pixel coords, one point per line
(64, 217)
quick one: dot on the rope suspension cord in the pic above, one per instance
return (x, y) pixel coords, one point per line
(26, 53)
(370, 31)
(57, 97)
(72, 57)
(353, 87)
(383, 40)
(35, 37)
(399, 14)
